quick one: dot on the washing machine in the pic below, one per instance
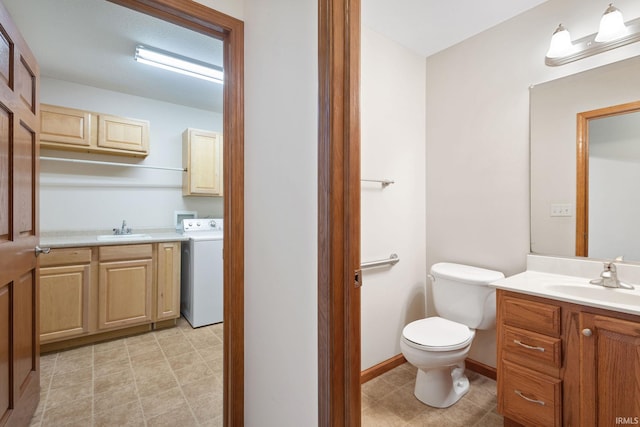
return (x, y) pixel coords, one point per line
(201, 287)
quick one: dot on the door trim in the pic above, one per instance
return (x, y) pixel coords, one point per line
(339, 399)
(205, 20)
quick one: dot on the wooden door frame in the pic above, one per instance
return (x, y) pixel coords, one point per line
(205, 20)
(582, 168)
(339, 213)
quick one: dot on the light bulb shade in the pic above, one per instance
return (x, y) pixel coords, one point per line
(560, 43)
(612, 25)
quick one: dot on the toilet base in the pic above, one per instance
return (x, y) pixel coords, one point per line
(441, 387)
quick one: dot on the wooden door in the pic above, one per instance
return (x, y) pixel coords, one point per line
(610, 371)
(19, 322)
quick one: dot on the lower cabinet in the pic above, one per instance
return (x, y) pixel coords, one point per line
(563, 364)
(168, 274)
(92, 290)
(65, 277)
(124, 286)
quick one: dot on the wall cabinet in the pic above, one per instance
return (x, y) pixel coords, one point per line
(202, 159)
(65, 276)
(85, 292)
(566, 364)
(65, 128)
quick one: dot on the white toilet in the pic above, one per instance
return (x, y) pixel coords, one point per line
(438, 346)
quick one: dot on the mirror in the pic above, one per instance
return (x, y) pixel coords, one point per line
(586, 107)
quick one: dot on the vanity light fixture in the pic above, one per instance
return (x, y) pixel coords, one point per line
(613, 33)
(179, 64)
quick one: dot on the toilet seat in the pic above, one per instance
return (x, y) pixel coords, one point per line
(437, 334)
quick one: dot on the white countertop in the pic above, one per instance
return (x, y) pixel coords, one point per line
(572, 289)
(71, 239)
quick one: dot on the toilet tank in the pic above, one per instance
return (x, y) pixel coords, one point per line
(461, 293)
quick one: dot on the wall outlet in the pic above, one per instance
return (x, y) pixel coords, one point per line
(561, 209)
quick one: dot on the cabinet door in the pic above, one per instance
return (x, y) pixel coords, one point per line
(610, 371)
(61, 126)
(168, 281)
(203, 152)
(127, 135)
(64, 302)
(124, 293)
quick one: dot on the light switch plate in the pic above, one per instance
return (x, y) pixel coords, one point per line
(561, 209)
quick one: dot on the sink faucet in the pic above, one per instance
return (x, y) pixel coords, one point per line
(609, 277)
(123, 229)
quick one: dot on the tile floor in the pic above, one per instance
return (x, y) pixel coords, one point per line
(170, 377)
(173, 377)
(388, 401)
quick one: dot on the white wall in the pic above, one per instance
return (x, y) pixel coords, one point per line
(281, 213)
(478, 141)
(91, 197)
(392, 218)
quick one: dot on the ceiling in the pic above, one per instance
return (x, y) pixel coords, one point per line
(92, 42)
(429, 26)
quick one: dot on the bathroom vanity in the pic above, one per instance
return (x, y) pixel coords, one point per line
(568, 351)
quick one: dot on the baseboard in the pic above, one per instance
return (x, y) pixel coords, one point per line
(481, 368)
(381, 368)
(395, 361)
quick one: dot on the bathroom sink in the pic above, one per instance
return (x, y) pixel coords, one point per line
(598, 293)
(119, 237)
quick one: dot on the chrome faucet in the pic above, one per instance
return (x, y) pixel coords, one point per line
(609, 277)
(123, 229)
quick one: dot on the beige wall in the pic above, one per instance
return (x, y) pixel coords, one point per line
(478, 136)
(392, 218)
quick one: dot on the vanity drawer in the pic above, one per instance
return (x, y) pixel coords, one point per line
(531, 315)
(524, 346)
(531, 398)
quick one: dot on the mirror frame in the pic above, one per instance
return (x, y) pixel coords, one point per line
(205, 20)
(582, 168)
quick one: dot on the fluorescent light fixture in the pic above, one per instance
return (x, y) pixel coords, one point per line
(179, 64)
(613, 33)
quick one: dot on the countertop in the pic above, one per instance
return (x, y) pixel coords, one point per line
(70, 239)
(572, 289)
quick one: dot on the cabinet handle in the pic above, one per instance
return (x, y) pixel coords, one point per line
(528, 399)
(587, 332)
(530, 347)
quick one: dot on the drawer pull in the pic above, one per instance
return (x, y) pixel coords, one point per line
(528, 399)
(530, 347)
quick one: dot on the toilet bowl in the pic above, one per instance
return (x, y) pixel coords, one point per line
(438, 345)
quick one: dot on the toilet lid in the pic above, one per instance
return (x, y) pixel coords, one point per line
(438, 334)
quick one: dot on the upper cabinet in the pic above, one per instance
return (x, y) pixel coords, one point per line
(202, 157)
(65, 128)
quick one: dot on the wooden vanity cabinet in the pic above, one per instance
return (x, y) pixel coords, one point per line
(610, 370)
(563, 364)
(202, 159)
(124, 285)
(65, 277)
(64, 128)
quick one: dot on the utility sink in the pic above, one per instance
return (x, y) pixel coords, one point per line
(119, 237)
(598, 293)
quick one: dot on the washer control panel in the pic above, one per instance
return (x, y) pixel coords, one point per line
(202, 224)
